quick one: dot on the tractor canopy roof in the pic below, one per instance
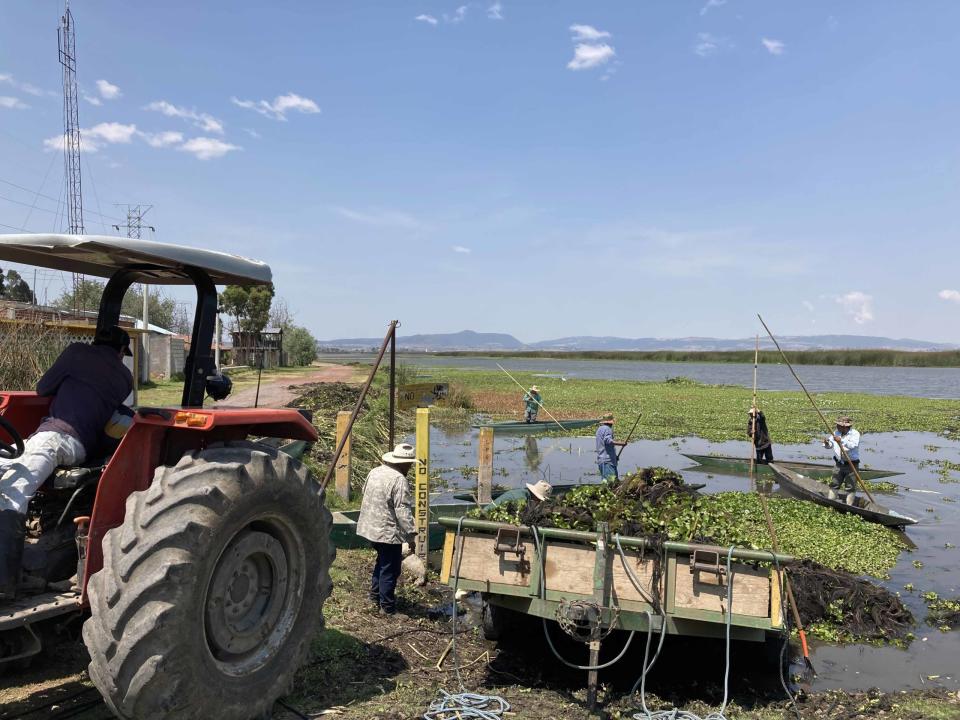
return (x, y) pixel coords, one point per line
(156, 263)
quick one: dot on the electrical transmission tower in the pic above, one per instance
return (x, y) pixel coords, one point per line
(135, 226)
(71, 134)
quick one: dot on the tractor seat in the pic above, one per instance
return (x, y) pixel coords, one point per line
(70, 478)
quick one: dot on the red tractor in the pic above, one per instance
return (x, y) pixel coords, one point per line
(202, 556)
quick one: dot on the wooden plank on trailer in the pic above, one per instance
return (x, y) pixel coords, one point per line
(776, 599)
(479, 562)
(702, 590)
(570, 567)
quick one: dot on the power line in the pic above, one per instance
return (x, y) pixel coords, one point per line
(57, 200)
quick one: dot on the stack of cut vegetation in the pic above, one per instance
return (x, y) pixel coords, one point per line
(833, 548)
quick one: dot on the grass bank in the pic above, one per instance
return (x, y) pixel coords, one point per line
(862, 358)
(679, 406)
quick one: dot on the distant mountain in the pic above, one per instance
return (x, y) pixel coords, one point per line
(485, 342)
(463, 340)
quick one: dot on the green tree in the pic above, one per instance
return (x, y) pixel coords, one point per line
(249, 306)
(14, 287)
(162, 309)
(299, 346)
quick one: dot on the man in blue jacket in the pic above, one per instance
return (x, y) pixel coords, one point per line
(88, 383)
(607, 449)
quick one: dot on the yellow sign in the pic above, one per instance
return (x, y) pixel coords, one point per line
(421, 395)
(421, 485)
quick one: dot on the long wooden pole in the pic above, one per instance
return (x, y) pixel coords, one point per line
(774, 540)
(532, 398)
(358, 405)
(826, 424)
(627, 441)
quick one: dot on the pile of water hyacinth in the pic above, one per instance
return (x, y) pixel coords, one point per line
(834, 547)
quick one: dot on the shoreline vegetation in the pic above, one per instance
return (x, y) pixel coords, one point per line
(680, 407)
(856, 358)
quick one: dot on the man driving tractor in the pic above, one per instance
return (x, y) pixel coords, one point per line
(88, 383)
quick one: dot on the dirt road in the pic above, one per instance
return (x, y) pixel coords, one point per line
(281, 392)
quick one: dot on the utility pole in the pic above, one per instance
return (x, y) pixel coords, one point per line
(134, 228)
(71, 135)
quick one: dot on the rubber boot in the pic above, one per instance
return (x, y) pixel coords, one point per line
(850, 498)
(12, 530)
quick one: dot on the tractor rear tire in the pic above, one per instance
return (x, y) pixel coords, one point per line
(212, 588)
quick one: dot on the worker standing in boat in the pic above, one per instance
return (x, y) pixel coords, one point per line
(607, 449)
(844, 476)
(532, 399)
(758, 432)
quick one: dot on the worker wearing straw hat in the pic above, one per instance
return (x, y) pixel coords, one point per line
(386, 520)
(843, 476)
(531, 493)
(607, 449)
(532, 399)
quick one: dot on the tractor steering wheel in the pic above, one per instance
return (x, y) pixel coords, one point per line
(9, 452)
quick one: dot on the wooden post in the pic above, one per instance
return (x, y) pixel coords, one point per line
(485, 467)
(393, 381)
(343, 463)
(421, 514)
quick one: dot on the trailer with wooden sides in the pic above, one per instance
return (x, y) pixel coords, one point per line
(593, 582)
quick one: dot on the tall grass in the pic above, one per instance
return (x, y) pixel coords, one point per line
(27, 350)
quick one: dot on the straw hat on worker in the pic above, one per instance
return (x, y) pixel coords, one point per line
(540, 490)
(402, 454)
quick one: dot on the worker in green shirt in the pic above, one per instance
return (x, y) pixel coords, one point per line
(532, 400)
(531, 493)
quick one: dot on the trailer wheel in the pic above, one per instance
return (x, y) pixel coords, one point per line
(495, 621)
(212, 588)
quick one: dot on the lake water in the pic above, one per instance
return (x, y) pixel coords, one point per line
(917, 382)
(922, 495)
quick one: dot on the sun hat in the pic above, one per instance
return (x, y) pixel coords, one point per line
(402, 454)
(608, 418)
(751, 411)
(534, 388)
(541, 490)
(844, 421)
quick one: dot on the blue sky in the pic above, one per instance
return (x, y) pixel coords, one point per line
(542, 168)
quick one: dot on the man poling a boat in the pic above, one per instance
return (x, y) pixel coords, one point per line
(533, 401)
(607, 455)
(757, 430)
(844, 477)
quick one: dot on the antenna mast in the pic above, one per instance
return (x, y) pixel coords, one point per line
(71, 134)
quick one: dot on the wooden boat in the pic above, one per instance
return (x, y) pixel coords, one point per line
(739, 465)
(539, 426)
(557, 490)
(806, 488)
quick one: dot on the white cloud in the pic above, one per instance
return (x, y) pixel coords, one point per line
(92, 139)
(588, 33)
(951, 295)
(429, 19)
(708, 44)
(281, 105)
(162, 139)
(206, 148)
(8, 79)
(107, 90)
(711, 4)
(858, 305)
(461, 249)
(92, 99)
(459, 16)
(12, 103)
(586, 56)
(495, 11)
(204, 121)
(381, 218)
(252, 133)
(774, 47)
(808, 305)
